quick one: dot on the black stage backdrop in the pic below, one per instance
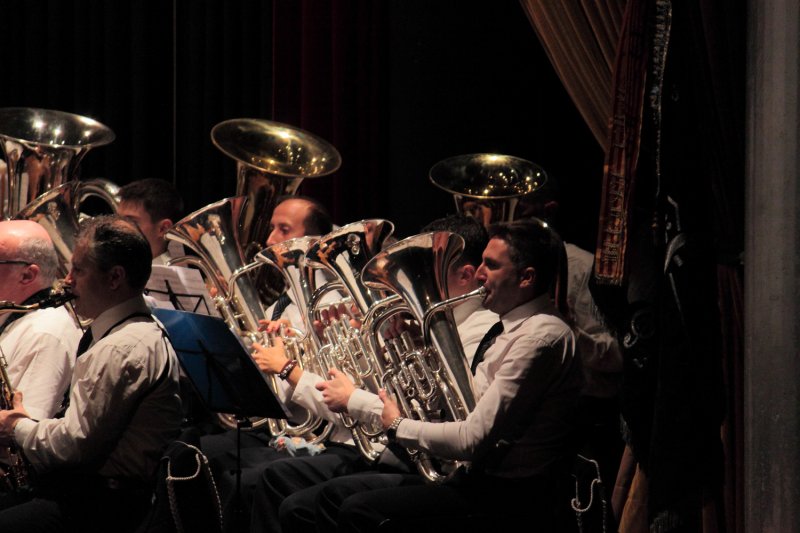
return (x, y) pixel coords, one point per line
(395, 85)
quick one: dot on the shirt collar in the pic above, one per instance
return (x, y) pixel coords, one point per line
(539, 305)
(111, 316)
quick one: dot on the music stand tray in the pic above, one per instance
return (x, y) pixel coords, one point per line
(223, 373)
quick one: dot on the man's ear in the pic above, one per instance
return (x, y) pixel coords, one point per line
(29, 274)
(465, 274)
(527, 278)
(163, 226)
(117, 277)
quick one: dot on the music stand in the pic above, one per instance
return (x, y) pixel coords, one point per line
(221, 370)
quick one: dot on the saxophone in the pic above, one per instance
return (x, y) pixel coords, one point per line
(16, 475)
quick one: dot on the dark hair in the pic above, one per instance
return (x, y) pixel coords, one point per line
(318, 220)
(532, 243)
(159, 198)
(113, 241)
(473, 232)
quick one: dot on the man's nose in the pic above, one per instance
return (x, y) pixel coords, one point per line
(480, 275)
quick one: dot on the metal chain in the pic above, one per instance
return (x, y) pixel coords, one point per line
(576, 502)
(202, 465)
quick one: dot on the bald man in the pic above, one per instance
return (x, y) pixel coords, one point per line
(39, 347)
(294, 216)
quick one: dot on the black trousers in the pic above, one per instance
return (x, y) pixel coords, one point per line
(288, 488)
(396, 502)
(76, 502)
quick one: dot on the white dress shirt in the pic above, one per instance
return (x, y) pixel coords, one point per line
(124, 405)
(602, 358)
(531, 379)
(40, 351)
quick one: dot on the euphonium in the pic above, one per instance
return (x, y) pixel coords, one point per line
(343, 253)
(211, 234)
(488, 187)
(436, 375)
(272, 159)
(16, 474)
(288, 257)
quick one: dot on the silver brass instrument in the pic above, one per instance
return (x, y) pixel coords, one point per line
(58, 211)
(272, 159)
(488, 187)
(212, 234)
(435, 376)
(43, 149)
(344, 252)
(16, 474)
(289, 258)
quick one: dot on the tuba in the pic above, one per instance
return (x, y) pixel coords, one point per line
(488, 187)
(272, 159)
(58, 210)
(43, 150)
(435, 376)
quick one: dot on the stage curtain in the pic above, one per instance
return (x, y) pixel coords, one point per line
(580, 39)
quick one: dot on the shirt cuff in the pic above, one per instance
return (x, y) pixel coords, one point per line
(23, 428)
(365, 406)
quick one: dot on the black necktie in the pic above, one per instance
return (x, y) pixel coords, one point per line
(85, 342)
(83, 345)
(281, 303)
(486, 341)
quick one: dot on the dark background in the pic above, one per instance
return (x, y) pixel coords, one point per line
(395, 85)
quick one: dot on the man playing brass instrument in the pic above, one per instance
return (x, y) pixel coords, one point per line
(294, 216)
(521, 436)
(287, 487)
(39, 347)
(96, 464)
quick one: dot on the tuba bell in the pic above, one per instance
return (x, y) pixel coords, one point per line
(272, 160)
(488, 187)
(42, 149)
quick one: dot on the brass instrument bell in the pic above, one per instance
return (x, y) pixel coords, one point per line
(488, 187)
(42, 149)
(272, 160)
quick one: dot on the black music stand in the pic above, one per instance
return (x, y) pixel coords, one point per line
(221, 370)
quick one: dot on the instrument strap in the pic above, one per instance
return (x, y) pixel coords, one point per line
(32, 299)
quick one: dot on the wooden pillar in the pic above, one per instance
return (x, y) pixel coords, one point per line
(772, 270)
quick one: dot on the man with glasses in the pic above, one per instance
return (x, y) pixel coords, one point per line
(38, 347)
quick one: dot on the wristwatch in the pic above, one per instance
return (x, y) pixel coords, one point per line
(391, 431)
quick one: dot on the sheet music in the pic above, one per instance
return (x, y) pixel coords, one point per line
(174, 287)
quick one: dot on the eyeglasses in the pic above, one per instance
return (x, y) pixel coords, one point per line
(12, 262)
